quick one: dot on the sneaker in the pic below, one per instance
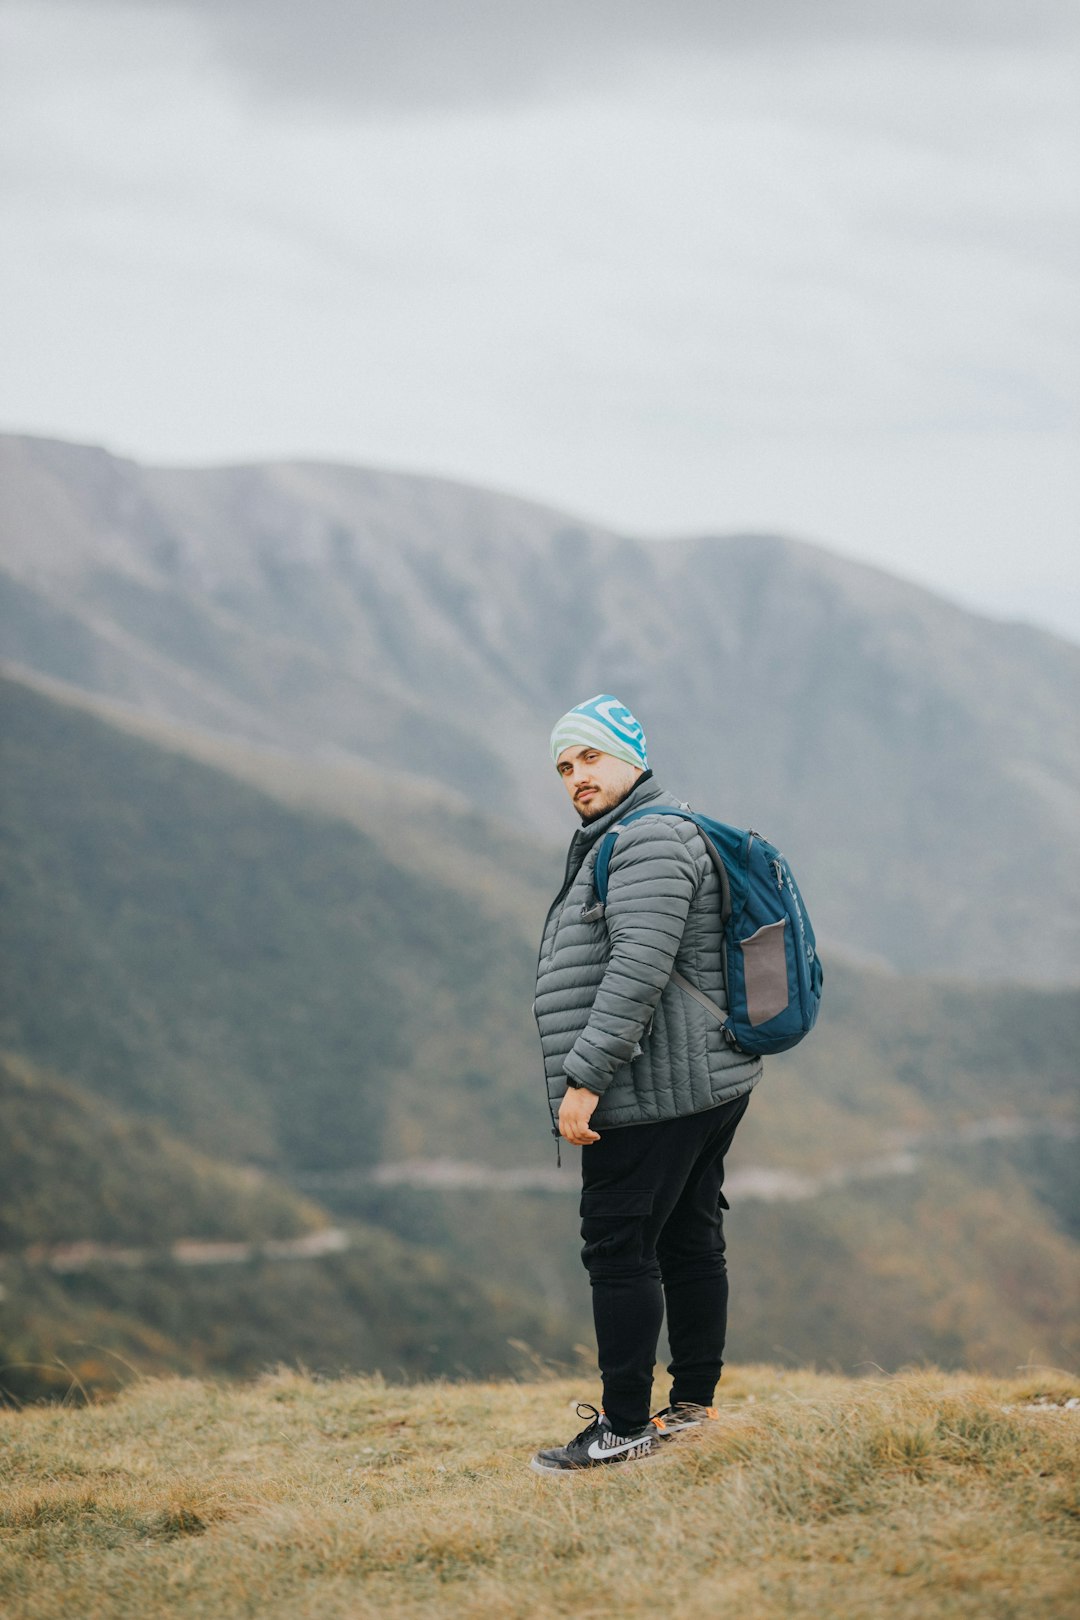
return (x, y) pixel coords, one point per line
(597, 1446)
(671, 1421)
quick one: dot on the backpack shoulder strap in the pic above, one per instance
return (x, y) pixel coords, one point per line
(607, 843)
(607, 846)
(600, 885)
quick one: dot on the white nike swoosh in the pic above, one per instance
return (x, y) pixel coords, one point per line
(598, 1452)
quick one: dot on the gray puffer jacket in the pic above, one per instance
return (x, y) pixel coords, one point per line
(609, 1015)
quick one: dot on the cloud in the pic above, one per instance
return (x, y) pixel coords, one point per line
(802, 266)
(374, 56)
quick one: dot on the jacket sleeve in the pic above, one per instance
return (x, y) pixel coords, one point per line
(652, 880)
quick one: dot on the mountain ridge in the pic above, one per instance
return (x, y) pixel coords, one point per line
(899, 748)
(535, 507)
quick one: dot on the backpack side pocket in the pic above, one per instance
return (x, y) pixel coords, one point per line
(765, 971)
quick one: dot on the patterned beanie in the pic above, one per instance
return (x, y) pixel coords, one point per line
(604, 723)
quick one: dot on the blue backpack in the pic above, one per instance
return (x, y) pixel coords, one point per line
(772, 971)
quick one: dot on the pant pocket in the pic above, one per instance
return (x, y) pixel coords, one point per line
(612, 1226)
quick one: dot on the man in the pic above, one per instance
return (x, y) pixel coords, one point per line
(640, 1077)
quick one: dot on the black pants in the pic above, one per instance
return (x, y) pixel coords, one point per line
(653, 1232)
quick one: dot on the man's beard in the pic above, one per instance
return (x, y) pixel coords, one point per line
(593, 811)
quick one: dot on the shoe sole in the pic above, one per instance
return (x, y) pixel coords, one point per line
(593, 1468)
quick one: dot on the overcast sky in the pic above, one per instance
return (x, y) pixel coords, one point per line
(807, 265)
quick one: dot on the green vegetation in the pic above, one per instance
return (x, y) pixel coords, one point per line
(929, 1267)
(92, 1287)
(381, 1305)
(913, 1497)
(953, 1263)
(263, 981)
(918, 1054)
(73, 1169)
(274, 987)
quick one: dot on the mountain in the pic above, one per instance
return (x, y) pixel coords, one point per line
(277, 834)
(274, 986)
(918, 763)
(73, 1170)
(263, 981)
(121, 1248)
(326, 993)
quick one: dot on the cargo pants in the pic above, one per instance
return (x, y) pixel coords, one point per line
(653, 1233)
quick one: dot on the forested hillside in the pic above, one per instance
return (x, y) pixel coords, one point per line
(193, 956)
(74, 1169)
(123, 1249)
(263, 980)
(272, 985)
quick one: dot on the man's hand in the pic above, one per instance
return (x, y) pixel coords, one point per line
(575, 1111)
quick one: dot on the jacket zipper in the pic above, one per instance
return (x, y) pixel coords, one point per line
(567, 884)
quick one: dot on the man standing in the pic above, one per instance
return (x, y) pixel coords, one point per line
(640, 1077)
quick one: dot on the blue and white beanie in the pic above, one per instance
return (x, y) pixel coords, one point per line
(604, 723)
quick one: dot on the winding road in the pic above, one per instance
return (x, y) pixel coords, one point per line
(438, 1175)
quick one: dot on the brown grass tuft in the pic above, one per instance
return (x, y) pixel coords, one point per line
(916, 1496)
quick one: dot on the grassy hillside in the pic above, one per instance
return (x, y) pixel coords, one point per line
(959, 1261)
(73, 1169)
(123, 1249)
(937, 1266)
(415, 821)
(272, 984)
(381, 1305)
(914, 1497)
(264, 981)
(274, 988)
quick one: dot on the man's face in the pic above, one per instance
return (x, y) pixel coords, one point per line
(595, 781)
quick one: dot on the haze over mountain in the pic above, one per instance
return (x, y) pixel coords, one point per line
(919, 764)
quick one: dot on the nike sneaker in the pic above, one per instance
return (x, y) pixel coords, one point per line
(597, 1446)
(671, 1421)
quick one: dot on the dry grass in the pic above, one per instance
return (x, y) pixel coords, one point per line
(927, 1494)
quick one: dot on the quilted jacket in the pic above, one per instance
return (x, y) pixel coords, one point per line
(608, 1014)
